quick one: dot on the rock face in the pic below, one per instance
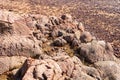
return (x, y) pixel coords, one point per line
(57, 68)
(18, 45)
(69, 38)
(8, 16)
(15, 36)
(9, 63)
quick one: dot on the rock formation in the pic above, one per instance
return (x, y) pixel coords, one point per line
(53, 48)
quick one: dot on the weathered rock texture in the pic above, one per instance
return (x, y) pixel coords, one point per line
(58, 68)
(15, 36)
(10, 63)
(50, 41)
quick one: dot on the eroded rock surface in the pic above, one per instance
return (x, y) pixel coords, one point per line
(96, 51)
(10, 63)
(57, 68)
(16, 37)
(109, 70)
(47, 42)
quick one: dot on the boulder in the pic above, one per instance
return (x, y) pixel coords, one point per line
(16, 36)
(57, 33)
(91, 71)
(18, 27)
(109, 70)
(13, 23)
(44, 69)
(69, 37)
(66, 64)
(59, 42)
(95, 51)
(61, 33)
(19, 45)
(86, 37)
(10, 63)
(60, 67)
(75, 43)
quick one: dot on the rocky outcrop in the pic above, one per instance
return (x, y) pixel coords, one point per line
(96, 51)
(57, 68)
(50, 41)
(16, 37)
(9, 16)
(10, 63)
(18, 45)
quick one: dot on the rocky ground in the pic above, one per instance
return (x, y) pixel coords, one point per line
(40, 40)
(101, 17)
